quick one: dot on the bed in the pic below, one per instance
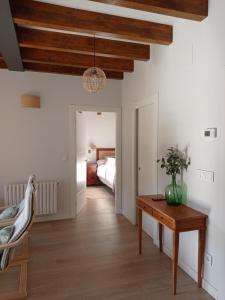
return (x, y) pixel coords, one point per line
(106, 166)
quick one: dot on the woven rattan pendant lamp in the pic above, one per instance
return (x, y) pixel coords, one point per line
(94, 79)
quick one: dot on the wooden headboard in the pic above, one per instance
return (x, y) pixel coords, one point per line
(102, 153)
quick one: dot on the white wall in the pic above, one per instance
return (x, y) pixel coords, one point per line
(189, 77)
(101, 130)
(37, 140)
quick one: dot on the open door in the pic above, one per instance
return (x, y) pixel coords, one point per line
(81, 161)
(147, 157)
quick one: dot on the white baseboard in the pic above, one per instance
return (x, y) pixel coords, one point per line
(119, 211)
(52, 218)
(192, 273)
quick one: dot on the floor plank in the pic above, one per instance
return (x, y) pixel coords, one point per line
(95, 257)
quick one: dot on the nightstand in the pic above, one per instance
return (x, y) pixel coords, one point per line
(92, 178)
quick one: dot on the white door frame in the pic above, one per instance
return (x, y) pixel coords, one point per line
(152, 100)
(72, 153)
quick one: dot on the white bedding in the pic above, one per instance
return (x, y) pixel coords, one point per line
(106, 172)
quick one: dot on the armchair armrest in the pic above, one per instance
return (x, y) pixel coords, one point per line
(14, 244)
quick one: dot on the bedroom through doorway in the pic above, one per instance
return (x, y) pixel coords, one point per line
(96, 159)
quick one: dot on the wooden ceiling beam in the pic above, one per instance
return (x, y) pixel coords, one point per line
(49, 40)
(76, 60)
(63, 70)
(188, 9)
(27, 12)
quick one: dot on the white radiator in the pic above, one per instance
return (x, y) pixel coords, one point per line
(47, 196)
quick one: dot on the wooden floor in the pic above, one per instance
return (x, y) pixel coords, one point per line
(95, 257)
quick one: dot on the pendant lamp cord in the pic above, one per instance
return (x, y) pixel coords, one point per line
(94, 51)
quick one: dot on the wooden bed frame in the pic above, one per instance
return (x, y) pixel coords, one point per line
(102, 153)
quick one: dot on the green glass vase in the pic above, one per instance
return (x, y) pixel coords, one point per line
(174, 193)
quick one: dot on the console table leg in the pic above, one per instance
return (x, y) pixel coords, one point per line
(161, 237)
(201, 246)
(175, 259)
(140, 229)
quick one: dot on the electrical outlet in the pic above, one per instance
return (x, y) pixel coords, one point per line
(208, 259)
(210, 133)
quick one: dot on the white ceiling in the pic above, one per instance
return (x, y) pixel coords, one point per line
(113, 10)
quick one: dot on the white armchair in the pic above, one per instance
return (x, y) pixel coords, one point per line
(21, 228)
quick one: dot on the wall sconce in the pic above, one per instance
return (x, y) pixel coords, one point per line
(92, 146)
(30, 101)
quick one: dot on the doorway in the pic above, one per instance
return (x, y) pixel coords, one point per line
(95, 155)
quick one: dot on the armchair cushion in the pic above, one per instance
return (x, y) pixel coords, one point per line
(9, 212)
(5, 235)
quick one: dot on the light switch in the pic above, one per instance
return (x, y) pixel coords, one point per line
(204, 175)
(209, 259)
(64, 158)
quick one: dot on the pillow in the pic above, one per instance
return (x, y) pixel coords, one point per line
(111, 161)
(101, 162)
(9, 212)
(5, 235)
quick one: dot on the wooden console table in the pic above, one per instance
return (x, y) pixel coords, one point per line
(177, 218)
